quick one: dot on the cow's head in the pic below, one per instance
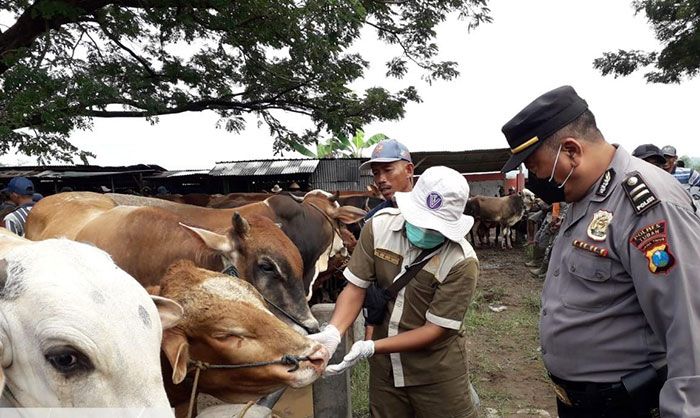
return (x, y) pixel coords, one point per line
(529, 199)
(337, 218)
(77, 331)
(226, 322)
(265, 257)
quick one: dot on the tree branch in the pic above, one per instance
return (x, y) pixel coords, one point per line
(145, 64)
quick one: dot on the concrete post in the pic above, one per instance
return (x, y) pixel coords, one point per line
(332, 394)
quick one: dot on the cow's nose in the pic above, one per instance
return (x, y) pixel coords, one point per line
(312, 325)
(319, 358)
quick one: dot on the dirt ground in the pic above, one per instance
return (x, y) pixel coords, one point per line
(505, 365)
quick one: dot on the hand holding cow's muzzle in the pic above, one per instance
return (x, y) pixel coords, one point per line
(329, 337)
(360, 350)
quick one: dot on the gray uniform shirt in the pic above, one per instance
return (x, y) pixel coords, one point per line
(623, 285)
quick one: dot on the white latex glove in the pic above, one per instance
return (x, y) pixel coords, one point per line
(360, 350)
(329, 337)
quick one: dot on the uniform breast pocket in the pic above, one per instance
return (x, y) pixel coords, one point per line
(588, 284)
(421, 289)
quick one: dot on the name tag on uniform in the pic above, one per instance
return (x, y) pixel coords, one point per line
(387, 255)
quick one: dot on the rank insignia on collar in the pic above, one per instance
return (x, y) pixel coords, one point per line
(652, 241)
(604, 184)
(639, 194)
(598, 228)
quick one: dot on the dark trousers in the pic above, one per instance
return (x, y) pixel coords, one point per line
(622, 410)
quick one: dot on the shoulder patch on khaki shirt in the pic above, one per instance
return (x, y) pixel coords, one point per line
(387, 255)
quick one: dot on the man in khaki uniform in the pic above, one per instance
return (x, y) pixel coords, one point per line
(620, 317)
(418, 359)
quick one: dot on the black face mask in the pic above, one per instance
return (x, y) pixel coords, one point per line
(546, 190)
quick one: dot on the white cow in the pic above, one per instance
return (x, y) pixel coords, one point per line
(77, 331)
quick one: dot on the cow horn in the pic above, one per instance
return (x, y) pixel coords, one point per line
(240, 225)
(295, 197)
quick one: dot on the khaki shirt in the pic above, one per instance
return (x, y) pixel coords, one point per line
(623, 285)
(440, 293)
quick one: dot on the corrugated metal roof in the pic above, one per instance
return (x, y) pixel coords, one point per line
(263, 168)
(178, 173)
(64, 174)
(472, 161)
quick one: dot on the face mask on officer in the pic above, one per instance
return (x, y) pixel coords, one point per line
(549, 190)
(423, 238)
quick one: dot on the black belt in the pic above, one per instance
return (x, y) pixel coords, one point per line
(592, 394)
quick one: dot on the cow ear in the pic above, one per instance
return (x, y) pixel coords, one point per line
(170, 312)
(240, 225)
(177, 351)
(348, 214)
(211, 239)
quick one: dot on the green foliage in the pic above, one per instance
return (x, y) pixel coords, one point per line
(63, 65)
(690, 162)
(676, 24)
(340, 146)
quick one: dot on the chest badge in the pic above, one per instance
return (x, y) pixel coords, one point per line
(598, 228)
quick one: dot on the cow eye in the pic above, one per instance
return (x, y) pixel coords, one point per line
(68, 361)
(267, 266)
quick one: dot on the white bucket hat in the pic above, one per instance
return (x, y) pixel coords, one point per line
(437, 202)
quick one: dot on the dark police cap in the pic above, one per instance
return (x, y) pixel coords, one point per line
(538, 120)
(645, 151)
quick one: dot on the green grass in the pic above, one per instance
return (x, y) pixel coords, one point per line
(359, 381)
(499, 328)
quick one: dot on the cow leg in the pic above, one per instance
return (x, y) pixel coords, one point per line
(477, 225)
(505, 232)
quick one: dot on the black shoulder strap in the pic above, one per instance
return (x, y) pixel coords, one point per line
(639, 194)
(413, 269)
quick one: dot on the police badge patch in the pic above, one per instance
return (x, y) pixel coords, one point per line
(653, 243)
(598, 228)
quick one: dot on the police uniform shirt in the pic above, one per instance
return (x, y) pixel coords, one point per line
(440, 293)
(623, 285)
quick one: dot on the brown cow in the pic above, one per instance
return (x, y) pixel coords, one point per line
(505, 211)
(234, 200)
(226, 322)
(197, 199)
(144, 241)
(314, 225)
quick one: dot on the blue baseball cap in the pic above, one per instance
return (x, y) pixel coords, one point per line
(388, 151)
(20, 185)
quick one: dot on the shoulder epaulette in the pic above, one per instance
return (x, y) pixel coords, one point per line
(638, 193)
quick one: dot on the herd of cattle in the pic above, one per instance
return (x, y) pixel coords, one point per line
(167, 282)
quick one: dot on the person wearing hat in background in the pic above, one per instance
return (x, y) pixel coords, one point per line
(417, 356)
(620, 315)
(651, 154)
(21, 191)
(392, 169)
(689, 178)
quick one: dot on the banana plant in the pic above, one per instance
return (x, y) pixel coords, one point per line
(340, 146)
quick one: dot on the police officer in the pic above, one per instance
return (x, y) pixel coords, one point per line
(417, 355)
(620, 317)
(689, 178)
